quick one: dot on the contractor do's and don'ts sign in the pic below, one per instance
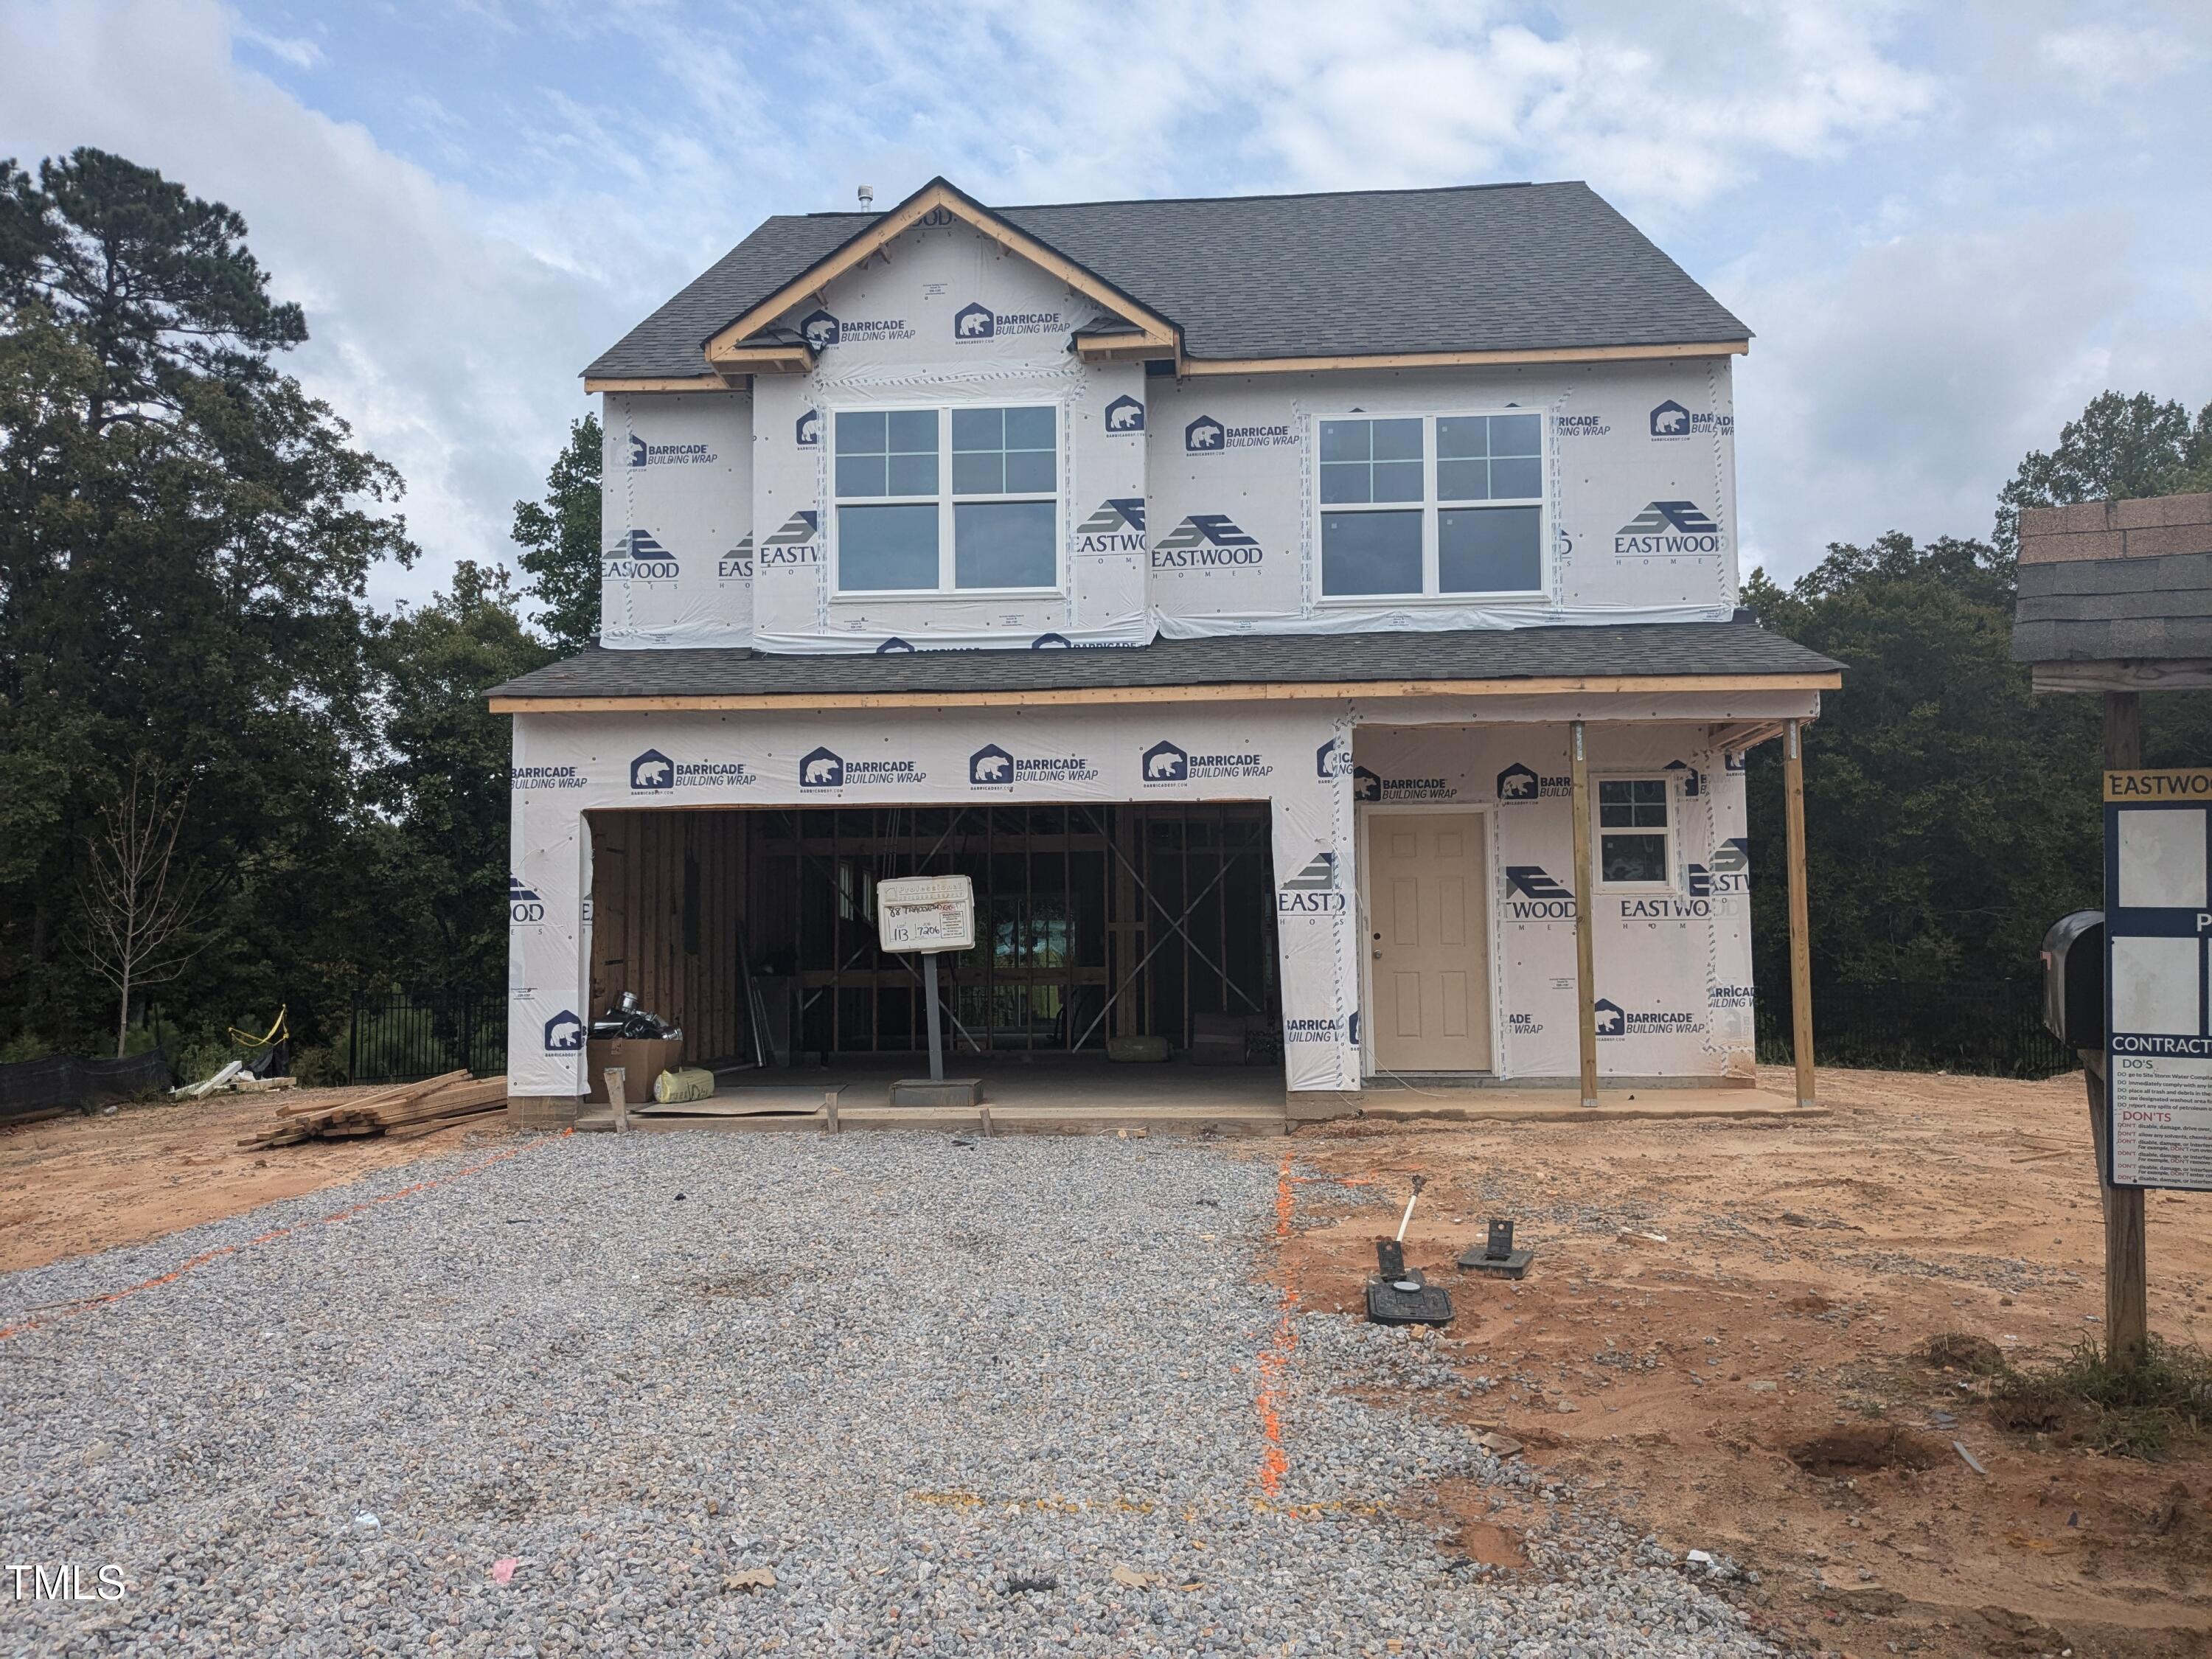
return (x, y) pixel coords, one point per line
(2157, 932)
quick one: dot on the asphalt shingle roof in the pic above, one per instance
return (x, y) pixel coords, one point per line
(1653, 648)
(1478, 268)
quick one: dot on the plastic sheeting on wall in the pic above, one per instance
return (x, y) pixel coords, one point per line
(1297, 761)
(1673, 986)
(676, 520)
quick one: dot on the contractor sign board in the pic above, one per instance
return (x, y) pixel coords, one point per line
(926, 914)
(2158, 929)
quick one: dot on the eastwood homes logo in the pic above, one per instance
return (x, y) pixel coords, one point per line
(1118, 526)
(525, 908)
(1614, 1021)
(639, 558)
(522, 778)
(564, 1033)
(1170, 763)
(642, 454)
(654, 773)
(1533, 894)
(1313, 891)
(825, 768)
(1671, 420)
(1208, 436)
(1519, 783)
(794, 543)
(1580, 426)
(977, 321)
(1680, 528)
(1728, 875)
(991, 767)
(737, 564)
(1125, 414)
(808, 429)
(1205, 541)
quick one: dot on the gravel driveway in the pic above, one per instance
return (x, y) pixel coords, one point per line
(940, 1391)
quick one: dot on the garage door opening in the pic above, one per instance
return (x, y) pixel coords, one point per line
(1122, 920)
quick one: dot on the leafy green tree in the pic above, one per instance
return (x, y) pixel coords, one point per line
(185, 537)
(560, 541)
(2120, 448)
(442, 787)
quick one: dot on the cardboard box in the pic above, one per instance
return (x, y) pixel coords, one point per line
(642, 1057)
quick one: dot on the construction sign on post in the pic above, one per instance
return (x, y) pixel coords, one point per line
(2158, 928)
(926, 914)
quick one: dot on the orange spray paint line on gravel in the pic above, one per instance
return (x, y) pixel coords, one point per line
(191, 1263)
(1272, 1463)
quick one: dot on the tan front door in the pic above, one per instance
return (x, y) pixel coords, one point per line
(1428, 921)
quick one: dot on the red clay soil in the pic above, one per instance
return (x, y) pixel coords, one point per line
(72, 1185)
(1724, 1339)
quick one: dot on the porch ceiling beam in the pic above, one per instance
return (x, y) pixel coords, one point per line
(1276, 691)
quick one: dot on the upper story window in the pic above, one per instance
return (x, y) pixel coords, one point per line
(1635, 839)
(936, 501)
(1430, 506)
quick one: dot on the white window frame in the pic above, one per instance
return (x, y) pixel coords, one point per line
(1672, 832)
(1430, 506)
(945, 501)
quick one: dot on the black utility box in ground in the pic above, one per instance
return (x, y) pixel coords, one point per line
(2074, 980)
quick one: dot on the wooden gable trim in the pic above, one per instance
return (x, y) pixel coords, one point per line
(1458, 359)
(1269, 691)
(656, 383)
(932, 196)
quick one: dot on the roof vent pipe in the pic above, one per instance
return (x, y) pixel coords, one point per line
(867, 196)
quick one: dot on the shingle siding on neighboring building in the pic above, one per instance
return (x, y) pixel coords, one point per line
(1686, 648)
(2108, 582)
(1489, 268)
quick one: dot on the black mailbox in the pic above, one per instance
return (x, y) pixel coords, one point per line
(2074, 980)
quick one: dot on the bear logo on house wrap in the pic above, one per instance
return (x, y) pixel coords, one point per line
(821, 769)
(1164, 762)
(820, 328)
(1203, 435)
(564, 1033)
(809, 430)
(1671, 419)
(653, 770)
(974, 322)
(1517, 783)
(1125, 414)
(990, 764)
(1611, 1022)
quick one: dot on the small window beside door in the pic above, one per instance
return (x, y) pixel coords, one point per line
(1634, 834)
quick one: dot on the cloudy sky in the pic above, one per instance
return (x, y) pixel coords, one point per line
(1949, 224)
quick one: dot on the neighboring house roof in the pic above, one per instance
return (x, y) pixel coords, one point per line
(2116, 581)
(1547, 267)
(1669, 650)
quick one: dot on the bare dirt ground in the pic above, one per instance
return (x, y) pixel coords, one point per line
(1722, 1335)
(72, 1185)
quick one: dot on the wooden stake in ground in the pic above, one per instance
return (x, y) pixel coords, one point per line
(1800, 942)
(616, 1078)
(1585, 898)
(2127, 1268)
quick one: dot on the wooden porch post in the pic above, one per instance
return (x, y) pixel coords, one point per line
(2127, 1268)
(1801, 943)
(1585, 897)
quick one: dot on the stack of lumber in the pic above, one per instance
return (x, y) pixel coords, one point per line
(402, 1111)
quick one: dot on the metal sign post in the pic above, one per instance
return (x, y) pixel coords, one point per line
(925, 916)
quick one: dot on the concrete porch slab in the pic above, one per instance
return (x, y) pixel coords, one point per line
(1496, 1105)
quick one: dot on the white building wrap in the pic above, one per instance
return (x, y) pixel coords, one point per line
(1297, 761)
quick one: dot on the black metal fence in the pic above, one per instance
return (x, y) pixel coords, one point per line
(1993, 1030)
(397, 1039)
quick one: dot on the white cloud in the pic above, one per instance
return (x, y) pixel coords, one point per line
(451, 346)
